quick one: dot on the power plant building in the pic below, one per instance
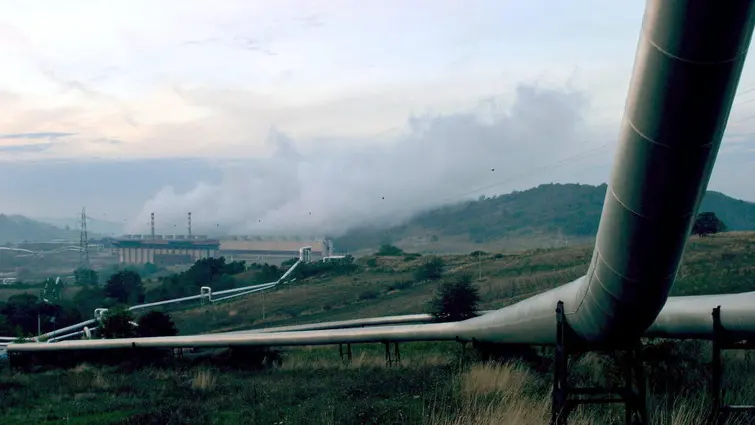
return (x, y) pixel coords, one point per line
(270, 250)
(164, 250)
(167, 250)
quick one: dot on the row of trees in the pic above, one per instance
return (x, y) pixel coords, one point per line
(119, 323)
(213, 272)
(126, 287)
(26, 314)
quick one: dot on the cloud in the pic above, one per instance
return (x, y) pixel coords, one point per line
(238, 42)
(110, 189)
(40, 135)
(35, 147)
(334, 186)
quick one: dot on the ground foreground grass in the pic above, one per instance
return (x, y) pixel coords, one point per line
(432, 385)
(313, 386)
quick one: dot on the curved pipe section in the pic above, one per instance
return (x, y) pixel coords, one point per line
(688, 65)
(689, 60)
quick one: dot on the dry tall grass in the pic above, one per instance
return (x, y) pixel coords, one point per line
(510, 394)
(204, 380)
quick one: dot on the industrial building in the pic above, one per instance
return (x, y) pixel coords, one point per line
(254, 249)
(164, 250)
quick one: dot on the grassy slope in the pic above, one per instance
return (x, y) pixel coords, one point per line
(314, 387)
(514, 276)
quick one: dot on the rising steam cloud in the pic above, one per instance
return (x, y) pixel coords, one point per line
(326, 192)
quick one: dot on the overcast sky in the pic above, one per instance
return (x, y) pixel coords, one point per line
(312, 116)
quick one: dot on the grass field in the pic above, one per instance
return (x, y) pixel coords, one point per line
(720, 264)
(431, 386)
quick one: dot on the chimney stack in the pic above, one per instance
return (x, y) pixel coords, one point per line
(189, 225)
(152, 224)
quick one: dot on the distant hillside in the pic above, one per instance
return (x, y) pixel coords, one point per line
(548, 212)
(94, 225)
(17, 228)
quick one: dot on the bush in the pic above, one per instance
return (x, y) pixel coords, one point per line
(116, 323)
(397, 286)
(125, 287)
(343, 267)
(707, 223)
(368, 295)
(388, 250)
(455, 300)
(432, 269)
(85, 276)
(156, 323)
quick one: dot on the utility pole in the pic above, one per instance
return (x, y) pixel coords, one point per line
(83, 240)
(479, 264)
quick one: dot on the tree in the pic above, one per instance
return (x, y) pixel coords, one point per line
(290, 262)
(455, 300)
(116, 323)
(432, 269)
(125, 287)
(156, 323)
(389, 250)
(707, 223)
(85, 277)
(88, 299)
(234, 267)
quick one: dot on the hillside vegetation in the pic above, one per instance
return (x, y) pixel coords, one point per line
(17, 228)
(435, 384)
(387, 285)
(544, 216)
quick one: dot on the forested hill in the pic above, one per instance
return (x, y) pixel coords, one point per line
(570, 210)
(17, 228)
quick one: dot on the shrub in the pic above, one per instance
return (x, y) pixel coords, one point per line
(390, 251)
(156, 323)
(455, 300)
(432, 269)
(368, 295)
(707, 223)
(116, 323)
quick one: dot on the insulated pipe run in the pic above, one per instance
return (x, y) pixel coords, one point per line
(688, 65)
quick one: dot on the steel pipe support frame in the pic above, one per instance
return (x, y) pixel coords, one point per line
(723, 340)
(632, 394)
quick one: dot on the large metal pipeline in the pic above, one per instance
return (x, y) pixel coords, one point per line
(688, 64)
(687, 69)
(683, 317)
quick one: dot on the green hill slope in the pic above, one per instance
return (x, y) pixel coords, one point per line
(17, 228)
(550, 212)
